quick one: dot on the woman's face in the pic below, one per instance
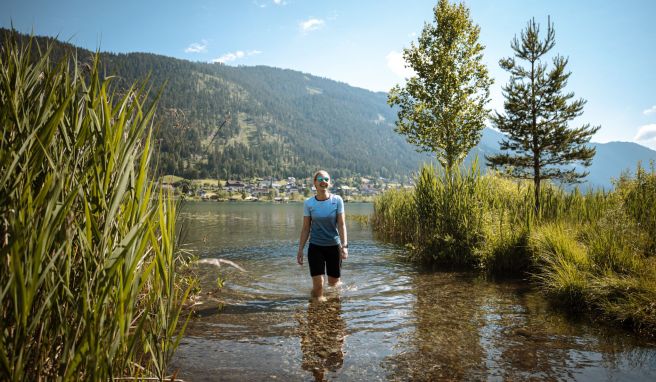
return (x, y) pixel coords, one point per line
(322, 180)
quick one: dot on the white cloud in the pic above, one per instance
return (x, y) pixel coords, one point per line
(311, 24)
(279, 2)
(197, 47)
(646, 132)
(232, 56)
(396, 64)
(651, 110)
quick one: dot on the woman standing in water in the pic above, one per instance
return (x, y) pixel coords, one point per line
(325, 224)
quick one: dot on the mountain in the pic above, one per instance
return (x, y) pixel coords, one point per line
(610, 161)
(280, 122)
(613, 158)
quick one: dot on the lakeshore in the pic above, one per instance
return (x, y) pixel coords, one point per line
(290, 189)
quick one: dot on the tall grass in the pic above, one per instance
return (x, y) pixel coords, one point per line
(450, 215)
(638, 194)
(619, 280)
(88, 262)
(394, 218)
(565, 262)
(599, 267)
(441, 220)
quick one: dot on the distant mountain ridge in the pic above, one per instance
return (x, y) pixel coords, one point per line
(287, 123)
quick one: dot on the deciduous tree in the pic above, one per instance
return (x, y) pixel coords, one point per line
(441, 108)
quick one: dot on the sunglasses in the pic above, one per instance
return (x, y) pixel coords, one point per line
(323, 179)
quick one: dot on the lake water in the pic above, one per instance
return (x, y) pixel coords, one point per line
(388, 321)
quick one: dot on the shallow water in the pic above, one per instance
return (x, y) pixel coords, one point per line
(388, 321)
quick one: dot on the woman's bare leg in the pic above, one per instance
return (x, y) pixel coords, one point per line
(334, 281)
(317, 288)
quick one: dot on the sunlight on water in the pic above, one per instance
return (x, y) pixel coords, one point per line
(388, 321)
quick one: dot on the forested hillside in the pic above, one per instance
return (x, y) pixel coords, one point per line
(278, 122)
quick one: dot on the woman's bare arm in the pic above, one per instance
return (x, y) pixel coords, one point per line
(305, 233)
(341, 229)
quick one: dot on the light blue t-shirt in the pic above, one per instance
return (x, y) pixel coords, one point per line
(323, 229)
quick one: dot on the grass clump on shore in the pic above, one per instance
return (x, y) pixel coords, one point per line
(451, 219)
(449, 216)
(88, 263)
(609, 266)
(593, 252)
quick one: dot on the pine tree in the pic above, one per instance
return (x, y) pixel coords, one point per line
(442, 107)
(537, 112)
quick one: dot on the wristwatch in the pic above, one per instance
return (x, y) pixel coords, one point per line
(345, 245)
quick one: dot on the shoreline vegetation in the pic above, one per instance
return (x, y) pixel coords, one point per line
(591, 252)
(91, 282)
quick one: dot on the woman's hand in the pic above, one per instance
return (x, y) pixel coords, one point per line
(344, 253)
(299, 257)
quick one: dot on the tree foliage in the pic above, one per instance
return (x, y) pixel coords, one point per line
(537, 114)
(441, 108)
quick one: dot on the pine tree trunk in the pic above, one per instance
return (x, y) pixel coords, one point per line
(536, 151)
(536, 183)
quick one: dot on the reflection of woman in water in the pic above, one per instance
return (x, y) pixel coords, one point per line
(324, 223)
(322, 338)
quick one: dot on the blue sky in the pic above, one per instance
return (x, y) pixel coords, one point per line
(610, 44)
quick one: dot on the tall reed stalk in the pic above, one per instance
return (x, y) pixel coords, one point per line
(394, 217)
(638, 195)
(88, 258)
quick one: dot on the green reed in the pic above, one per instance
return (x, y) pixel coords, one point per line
(88, 264)
(361, 219)
(394, 217)
(440, 221)
(619, 282)
(599, 266)
(638, 195)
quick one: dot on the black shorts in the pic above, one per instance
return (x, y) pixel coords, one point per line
(324, 260)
